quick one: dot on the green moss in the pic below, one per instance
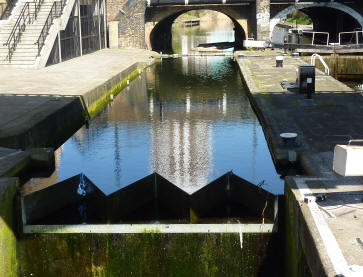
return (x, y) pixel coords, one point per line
(258, 82)
(96, 107)
(153, 230)
(144, 254)
(8, 242)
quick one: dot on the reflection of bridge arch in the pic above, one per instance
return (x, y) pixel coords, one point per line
(158, 24)
(348, 11)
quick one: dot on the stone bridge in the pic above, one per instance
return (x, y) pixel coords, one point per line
(147, 24)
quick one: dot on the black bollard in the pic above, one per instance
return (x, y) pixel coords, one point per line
(309, 88)
(279, 61)
(285, 42)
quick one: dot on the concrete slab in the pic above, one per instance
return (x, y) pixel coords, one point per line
(335, 224)
(36, 104)
(12, 162)
(329, 232)
(73, 77)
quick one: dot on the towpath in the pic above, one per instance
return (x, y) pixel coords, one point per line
(32, 101)
(328, 233)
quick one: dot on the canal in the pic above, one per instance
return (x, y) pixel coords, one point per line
(188, 119)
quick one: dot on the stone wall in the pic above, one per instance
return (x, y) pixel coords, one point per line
(158, 21)
(8, 243)
(113, 8)
(132, 25)
(149, 254)
(263, 19)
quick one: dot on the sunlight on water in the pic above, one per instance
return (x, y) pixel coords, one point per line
(187, 119)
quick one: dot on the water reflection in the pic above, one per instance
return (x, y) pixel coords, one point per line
(189, 126)
(213, 28)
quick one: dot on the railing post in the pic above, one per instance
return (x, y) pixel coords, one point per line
(80, 27)
(99, 23)
(312, 42)
(356, 37)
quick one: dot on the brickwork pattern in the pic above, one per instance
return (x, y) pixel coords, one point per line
(113, 9)
(132, 27)
(263, 19)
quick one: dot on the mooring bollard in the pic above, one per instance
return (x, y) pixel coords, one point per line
(309, 87)
(285, 42)
(279, 61)
(288, 138)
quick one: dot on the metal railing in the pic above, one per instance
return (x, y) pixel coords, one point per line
(355, 34)
(25, 17)
(37, 4)
(313, 36)
(55, 11)
(326, 67)
(19, 27)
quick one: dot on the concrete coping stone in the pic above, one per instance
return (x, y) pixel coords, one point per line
(150, 228)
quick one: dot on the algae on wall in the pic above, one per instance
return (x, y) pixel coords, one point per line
(96, 107)
(145, 254)
(295, 260)
(8, 243)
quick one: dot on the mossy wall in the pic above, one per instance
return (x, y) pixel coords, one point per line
(295, 260)
(146, 254)
(8, 255)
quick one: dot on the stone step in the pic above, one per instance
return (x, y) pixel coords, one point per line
(28, 57)
(25, 50)
(20, 45)
(24, 56)
(17, 63)
(20, 58)
(10, 26)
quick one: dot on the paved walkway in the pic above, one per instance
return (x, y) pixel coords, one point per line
(27, 95)
(73, 77)
(332, 117)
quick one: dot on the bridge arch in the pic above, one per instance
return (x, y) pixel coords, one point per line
(305, 7)
(158, 25)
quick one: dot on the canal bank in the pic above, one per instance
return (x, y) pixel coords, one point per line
(303, 237)
(226, 248)
(325, 236)
(42, 108)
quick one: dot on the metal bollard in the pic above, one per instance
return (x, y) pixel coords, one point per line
(285, 42)
(309, 87)
(279, 61)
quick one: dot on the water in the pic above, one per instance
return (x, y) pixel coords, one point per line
(185, 39)
(188, 119)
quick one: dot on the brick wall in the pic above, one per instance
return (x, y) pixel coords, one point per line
(113, 9)
(132, 26)
(263, 19)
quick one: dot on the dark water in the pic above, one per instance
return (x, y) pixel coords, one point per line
(187, 119)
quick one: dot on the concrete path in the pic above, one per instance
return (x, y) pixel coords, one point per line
(29, 97)
(332, 233)
(72, 77)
